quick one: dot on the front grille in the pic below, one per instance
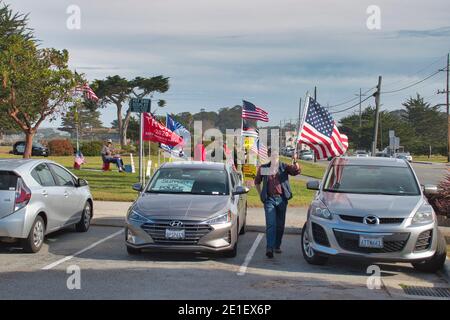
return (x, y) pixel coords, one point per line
(319, 234)
(193, 232)
(391, 243)
(361, 219)
(424, 241)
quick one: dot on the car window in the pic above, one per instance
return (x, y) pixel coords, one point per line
(371, 180)
(190, 180)
(233, 180)
(62, 176)
(8, 181)
(43, 176)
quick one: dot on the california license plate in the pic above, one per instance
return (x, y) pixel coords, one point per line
(175, 234)
(370, 242)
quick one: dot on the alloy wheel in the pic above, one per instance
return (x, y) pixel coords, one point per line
(38, 234)
(307, 247)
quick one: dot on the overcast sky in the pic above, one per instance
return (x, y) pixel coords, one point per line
(270, 52)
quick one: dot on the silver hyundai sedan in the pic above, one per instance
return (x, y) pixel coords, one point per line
(188, 206)
(38, 197)
(373, 208)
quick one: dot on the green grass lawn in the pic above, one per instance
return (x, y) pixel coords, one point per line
(115, 186)
(309, 168)
(433, 158)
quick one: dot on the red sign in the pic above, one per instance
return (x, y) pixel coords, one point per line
(156, 132)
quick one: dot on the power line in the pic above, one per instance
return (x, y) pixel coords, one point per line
(413, 84)
(353, 106)
(351, 100)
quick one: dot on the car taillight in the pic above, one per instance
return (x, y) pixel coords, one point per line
(23, 195)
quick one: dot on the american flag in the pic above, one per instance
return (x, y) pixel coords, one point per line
(87, 91)
(261, 150)
(320, 133)
(249, 130)
(250, 111)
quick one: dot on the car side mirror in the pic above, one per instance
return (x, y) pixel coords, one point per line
(240, 190)
(429, 189)
(313, 185)
(82, 183)
(137, 187)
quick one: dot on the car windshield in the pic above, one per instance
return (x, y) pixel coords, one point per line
(371, 180)
(190, 181)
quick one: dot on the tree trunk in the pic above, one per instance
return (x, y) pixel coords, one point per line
(120, 124)
(29, 135)
(125, 126)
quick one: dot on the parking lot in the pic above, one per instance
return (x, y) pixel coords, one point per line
(108, 272)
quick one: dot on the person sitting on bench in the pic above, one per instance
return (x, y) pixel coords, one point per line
(109, 157)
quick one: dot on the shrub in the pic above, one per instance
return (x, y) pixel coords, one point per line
(441, 201)
(91, 148)
(128, 149)
(60, 147)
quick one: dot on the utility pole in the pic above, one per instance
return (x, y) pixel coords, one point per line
(377, 116)
(447, 104)
(360, 115)
(315, 93)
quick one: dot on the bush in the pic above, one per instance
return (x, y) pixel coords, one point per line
(91, 148)
(60, 147)
(441, 201)
(128, 149)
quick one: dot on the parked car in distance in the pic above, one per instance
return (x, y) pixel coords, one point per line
(288, 151)
(382, 155)
(361, 154)
(38, 197)
(306, 155)
(188, 206)
(373, 208)
(404, 156)
(37, 149)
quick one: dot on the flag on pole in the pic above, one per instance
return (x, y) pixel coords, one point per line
(157, 132)
(250, 111)
(249, 130)
(178, 129)
(261, 150)
(320, 133)
(87, 91)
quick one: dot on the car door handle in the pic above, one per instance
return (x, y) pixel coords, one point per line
(66, 194)
(45, 193)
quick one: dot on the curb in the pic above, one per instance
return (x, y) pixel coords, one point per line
(445, 273)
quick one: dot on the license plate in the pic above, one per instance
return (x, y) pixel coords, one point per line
(175, 234)
(370, 242)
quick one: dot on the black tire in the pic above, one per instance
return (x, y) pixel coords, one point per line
(85, 221)
(310, 255)
(33, 243)
(437, 262)
(133, 251)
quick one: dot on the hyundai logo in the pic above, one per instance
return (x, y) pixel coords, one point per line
(371, 220)
(176, 224)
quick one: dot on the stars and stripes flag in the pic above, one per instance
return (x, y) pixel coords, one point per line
(249, 130)
(320, 133)
(87, 91)
(250, 111)
(261, 150)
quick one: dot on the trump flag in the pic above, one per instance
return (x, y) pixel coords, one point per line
(157, 132)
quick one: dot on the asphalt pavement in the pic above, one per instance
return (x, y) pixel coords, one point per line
(97, 263)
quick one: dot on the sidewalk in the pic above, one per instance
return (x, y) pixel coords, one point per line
(109, 213)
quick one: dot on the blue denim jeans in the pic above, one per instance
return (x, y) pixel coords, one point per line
(275, 210)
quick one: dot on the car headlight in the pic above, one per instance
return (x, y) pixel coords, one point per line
(136, 217)
(423, 215)
(322, 211)
(220, 219)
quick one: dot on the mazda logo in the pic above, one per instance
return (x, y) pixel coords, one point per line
(371, 220)
(176, 224)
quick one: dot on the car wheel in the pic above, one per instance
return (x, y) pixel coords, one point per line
(33, 243)
(244, 227)
(85, 221)
(437, 262)
(308, 252)
(133, 251)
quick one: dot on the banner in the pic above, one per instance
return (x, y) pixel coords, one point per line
(249, 171)
(156, 132)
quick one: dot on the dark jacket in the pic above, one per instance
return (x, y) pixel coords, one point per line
(284, 181)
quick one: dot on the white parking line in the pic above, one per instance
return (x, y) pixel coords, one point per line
(248, 258)
(54, 264)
